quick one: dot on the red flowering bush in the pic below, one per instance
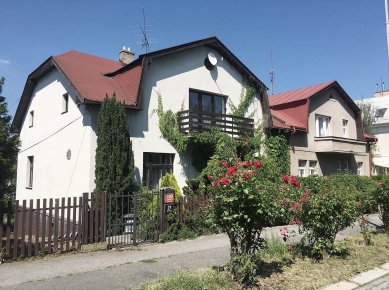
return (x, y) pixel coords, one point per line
(381, 194)
(330, 206)
(245, 201)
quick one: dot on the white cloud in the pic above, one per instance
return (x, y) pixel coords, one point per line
(4, 61)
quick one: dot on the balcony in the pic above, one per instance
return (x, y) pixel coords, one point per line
(338, 144)
(192, 122)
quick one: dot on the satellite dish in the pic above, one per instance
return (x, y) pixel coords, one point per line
(210, 61)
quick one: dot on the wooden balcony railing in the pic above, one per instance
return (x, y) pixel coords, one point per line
(197, 122)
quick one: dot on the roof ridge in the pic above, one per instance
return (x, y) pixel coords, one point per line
(84, 53)
(311, 86)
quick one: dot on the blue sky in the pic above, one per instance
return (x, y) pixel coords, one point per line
(312, 41)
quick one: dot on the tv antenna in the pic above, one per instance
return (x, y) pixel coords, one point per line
(145, 41)
(271, 72)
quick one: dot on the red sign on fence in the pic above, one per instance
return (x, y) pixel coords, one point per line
(168, 198)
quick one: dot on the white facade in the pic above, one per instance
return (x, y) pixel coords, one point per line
(380, 130)
(54, 133)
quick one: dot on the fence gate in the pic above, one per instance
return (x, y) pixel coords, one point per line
(133, 218)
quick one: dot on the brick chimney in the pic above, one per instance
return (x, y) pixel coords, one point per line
(126, 56)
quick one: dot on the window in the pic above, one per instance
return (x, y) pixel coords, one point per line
(345, 128)
(359, 169)
(65, 103)
(312, 167)
(31, 116)
(338, 167)
(345, 166)
(30, 171)
(379, 113)
(301, 168)
(322, 126)
(207, 102)
(156, 165)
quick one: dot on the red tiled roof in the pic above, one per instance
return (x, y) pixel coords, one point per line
(290, 109)
(87, 75)
(297, 95)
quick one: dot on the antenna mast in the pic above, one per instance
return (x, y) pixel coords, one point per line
(145, 41)
(271, 73)
(387, 26)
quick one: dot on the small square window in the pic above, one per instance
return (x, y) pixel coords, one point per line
(322, 126)
(379, 113)
(312, 167)
(359, 169)
(301, 167)
(30, 171)
(65, 103)
(345, 128)
(338, 167)
(31, 119)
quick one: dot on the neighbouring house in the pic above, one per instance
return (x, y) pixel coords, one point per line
(380, 130)
(325, 130)
(57, 113)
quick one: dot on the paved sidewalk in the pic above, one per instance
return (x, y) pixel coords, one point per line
(129, 267)
(377, 278)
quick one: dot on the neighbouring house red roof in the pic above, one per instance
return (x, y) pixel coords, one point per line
(297, 95)
(87, 73)
(290, 109)
(369, 137)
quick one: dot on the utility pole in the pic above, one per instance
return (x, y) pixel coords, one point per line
(387, 26)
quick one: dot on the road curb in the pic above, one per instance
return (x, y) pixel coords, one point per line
(360, 279)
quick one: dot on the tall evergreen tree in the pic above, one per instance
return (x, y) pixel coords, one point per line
(114, 157)
(8, 150)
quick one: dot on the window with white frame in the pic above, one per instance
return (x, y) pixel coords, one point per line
(301, 168)
(338, 166)
(312, 167)
(30, 171)
(345, 128)
(322, 126)
(65, 103)
(31, 118)
(359, 168)
(345, 166)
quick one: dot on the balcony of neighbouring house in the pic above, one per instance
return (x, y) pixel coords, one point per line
(193, 122)
(339, 144)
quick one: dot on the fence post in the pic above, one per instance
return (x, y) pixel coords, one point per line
(85, 222)
(135, 217)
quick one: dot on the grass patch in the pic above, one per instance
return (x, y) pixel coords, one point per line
(281, 267)
(200, 280)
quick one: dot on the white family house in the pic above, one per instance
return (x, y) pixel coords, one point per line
(57, 114)
(380, 103)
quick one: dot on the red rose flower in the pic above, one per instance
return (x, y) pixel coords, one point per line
(246, 175)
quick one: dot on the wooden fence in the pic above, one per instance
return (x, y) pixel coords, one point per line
(192, 204)
(45, 226)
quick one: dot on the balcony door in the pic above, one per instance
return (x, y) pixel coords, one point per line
(204, 105)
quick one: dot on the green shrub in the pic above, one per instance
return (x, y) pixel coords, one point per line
(169, 180)
(333, 204)
(381, 195)
(244, 268)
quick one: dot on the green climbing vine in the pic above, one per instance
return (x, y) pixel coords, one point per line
(277, 150)
(246, 99)
(204, 145)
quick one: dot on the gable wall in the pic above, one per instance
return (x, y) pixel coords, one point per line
(52, 134)
(172, 77)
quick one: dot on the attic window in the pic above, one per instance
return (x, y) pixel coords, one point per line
(65, 103)
(379, 113)
(31, 119)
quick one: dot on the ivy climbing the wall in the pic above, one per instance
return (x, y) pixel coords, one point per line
(277, 150)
